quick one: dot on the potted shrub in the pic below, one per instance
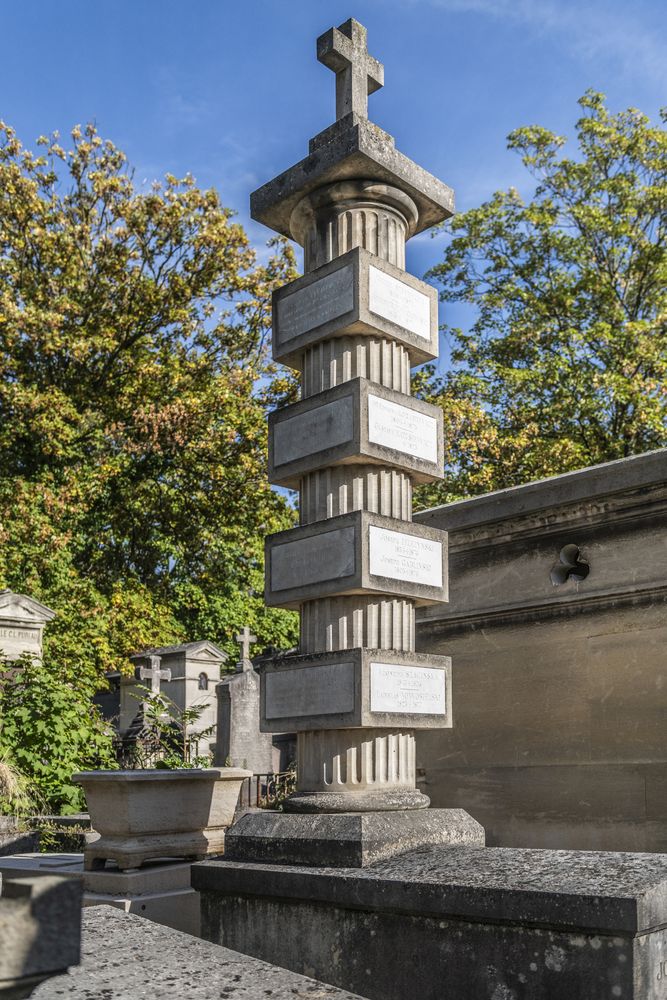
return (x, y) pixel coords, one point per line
(175, 806)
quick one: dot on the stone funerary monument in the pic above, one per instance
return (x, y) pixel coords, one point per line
(22, 623)
(356, 566)
(356, 882)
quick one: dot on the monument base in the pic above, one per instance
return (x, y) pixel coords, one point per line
(470, 923)
(347, 840)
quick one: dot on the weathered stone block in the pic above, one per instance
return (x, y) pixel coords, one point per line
(357, 553)
(459, 922)
(356, 422)
(40, 931)
(356, 687)
(355, 293)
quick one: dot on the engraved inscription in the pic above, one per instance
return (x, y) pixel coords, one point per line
(317, 303)
(307, 433)
(328, 555)
(400, 556)
(19, 633)
(398, 302)
(402, 428)
(324, 690)
(416, 690)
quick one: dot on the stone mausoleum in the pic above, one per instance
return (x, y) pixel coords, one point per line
(188, 675)
(559, 666)
(22, 623)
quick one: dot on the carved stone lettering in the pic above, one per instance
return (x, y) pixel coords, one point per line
(326, 556)
(402, 428)
(398, 302)
(323, 690)
(317, 303)
(412, 690)
(307, 433)
(399, 556)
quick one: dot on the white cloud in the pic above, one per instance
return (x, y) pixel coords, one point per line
(595, 33)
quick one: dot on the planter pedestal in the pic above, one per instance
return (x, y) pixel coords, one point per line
(139, 816)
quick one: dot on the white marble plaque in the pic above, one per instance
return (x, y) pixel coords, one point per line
(324, 690)
(400, 556)
(316, 429)
(415, 690)
(402, 428)
(328, 555)
(317, 303)
(399, 302)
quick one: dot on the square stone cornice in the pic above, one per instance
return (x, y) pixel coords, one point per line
(360, 152)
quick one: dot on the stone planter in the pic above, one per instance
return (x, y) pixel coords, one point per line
(141, 815)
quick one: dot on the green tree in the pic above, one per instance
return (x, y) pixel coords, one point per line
(134, 385)
(565, 364)
(49, 729)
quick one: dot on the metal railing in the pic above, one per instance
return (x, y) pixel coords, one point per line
(266, 791)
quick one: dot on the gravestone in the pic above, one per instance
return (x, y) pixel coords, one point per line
(22, 623)
(239, 740)
(188, 673)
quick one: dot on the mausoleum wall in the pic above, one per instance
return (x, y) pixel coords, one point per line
(560, 689)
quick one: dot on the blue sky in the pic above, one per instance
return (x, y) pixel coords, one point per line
(231, 91)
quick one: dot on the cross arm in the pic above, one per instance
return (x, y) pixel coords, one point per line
(338, 52)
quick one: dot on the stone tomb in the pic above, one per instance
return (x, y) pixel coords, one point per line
(461, 922)
(22, 623)
(190, 672)
(355, 880)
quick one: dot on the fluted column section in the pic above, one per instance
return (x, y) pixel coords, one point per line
(367, 768)
(338, 217)
(343, 358)
(342, 489)
(355, 769)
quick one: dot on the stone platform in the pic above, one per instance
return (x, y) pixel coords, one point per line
(160, 891)
(125, 958)
(460, 922)
(351, 840)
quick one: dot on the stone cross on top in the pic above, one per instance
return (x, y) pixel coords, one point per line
(154, 673)
(344, 50)
(245, 641)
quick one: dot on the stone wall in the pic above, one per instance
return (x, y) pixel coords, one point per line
(560, 691)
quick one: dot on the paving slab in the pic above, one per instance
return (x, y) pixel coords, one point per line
(127, 958)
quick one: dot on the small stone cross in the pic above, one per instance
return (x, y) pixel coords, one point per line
(245, 640)
(344, 50)
(155, 673)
